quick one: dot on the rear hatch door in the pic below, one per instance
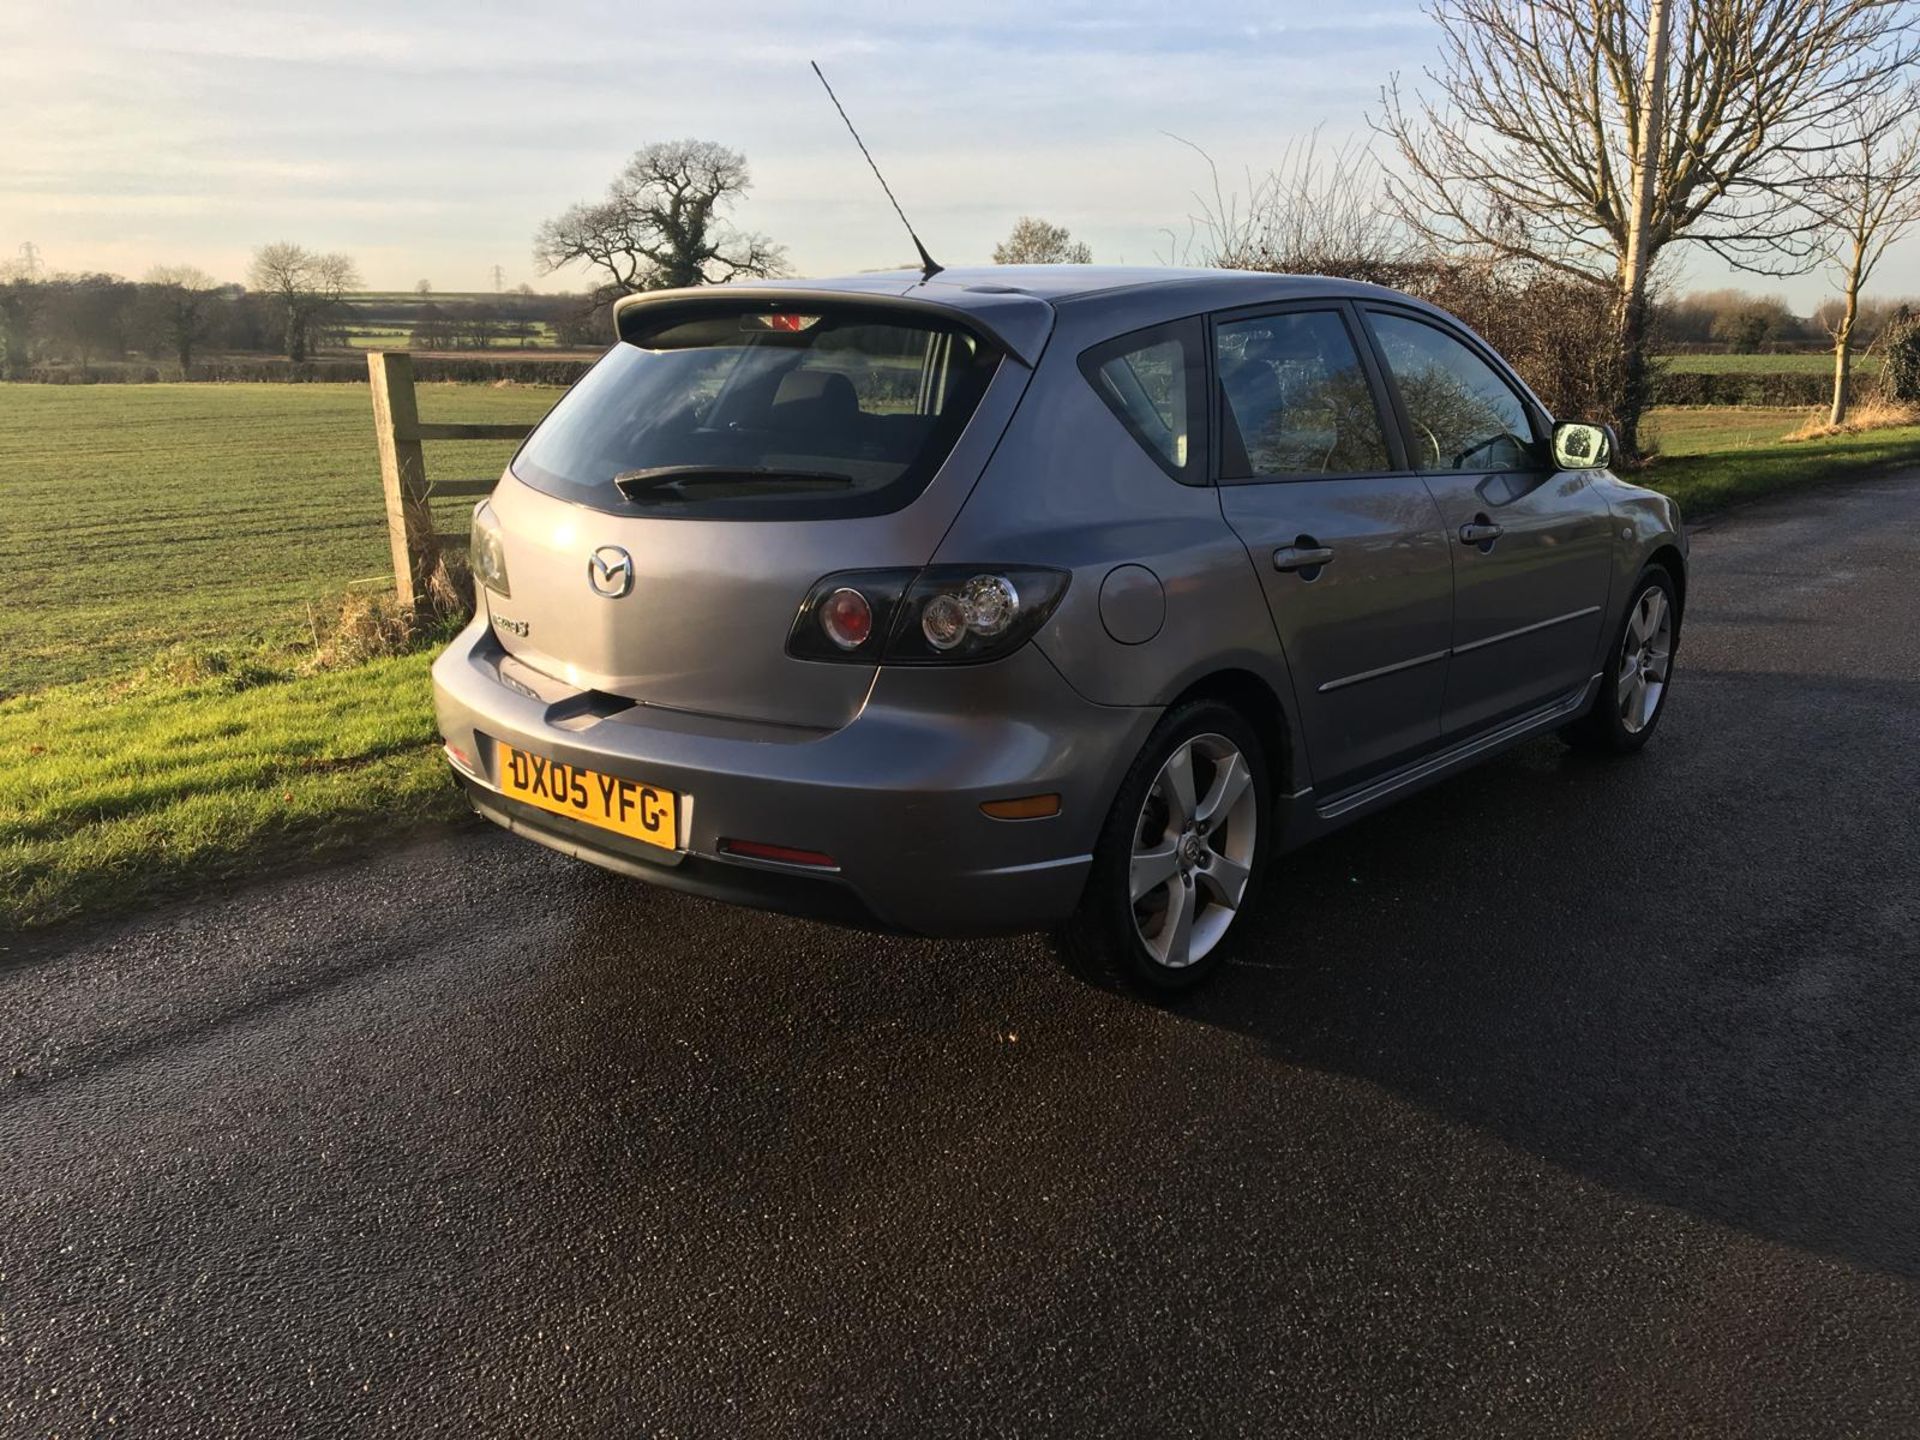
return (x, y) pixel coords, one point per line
(663, 524)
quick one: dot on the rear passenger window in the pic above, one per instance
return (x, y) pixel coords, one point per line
(1153, 381)
(1297, 401)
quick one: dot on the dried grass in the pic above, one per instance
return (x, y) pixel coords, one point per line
(1874, 413)
(369, 625)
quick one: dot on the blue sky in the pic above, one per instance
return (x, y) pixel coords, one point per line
(429, 139)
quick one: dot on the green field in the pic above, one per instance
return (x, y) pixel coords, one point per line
(140, 516)
(1700, 431)
(1820, 363)
(168, 722)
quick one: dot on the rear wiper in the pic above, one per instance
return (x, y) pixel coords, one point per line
(633, 483)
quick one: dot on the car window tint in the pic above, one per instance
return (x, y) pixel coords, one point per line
(1464, 416)
(1152, 381)
(1297, 400)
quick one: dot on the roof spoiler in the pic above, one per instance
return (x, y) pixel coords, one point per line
(1013, 322)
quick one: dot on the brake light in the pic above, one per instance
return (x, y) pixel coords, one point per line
(784, 324)
(847, 618)
(942, 614)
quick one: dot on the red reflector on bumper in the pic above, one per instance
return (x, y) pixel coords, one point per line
(779, 854)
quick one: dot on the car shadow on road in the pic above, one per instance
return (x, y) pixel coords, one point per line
(1690, 976)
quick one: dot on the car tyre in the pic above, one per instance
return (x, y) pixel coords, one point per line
(1179, 856)
(1638, 675)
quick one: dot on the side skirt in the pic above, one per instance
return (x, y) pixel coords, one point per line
(1309, 817)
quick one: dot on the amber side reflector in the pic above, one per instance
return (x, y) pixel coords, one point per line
(1026, 807)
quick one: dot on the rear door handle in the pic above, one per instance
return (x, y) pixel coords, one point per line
(1481, 532)
(1302, 557)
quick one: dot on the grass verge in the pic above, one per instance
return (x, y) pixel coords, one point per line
(1714, 458)
(114, 793)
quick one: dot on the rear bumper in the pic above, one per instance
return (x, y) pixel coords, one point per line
(893, 796)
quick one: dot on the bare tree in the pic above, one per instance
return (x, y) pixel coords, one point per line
(90, 315)
(1035, 242)
(22, 299)
(1322, 212)
(180, 308)
(306, 287)
(1867, 198)
(663, 223)
(1580, 136)
(423, 288)
(1306, 216)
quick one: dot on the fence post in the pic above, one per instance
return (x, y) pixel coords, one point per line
(403, 473)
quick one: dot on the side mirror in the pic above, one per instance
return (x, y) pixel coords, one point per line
(1581, 447)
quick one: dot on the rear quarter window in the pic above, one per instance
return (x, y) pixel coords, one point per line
(1154, 381)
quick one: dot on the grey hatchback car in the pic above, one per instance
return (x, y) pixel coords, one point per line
(1056, 597)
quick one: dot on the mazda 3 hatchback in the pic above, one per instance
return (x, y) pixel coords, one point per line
(1058, 597)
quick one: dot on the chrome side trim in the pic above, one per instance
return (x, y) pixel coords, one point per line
(1398, 665)
(1527, 629)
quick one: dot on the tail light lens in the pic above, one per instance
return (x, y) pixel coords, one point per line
(846, 618)
(487, 552)
(944, 614)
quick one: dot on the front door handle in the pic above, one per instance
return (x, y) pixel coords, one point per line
(1302, 557)
(1481, 532)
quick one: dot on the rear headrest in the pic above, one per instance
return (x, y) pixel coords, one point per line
(827, 392)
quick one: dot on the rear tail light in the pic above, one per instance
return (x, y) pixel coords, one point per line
(846, 618)
(487, 551)
(943, 614)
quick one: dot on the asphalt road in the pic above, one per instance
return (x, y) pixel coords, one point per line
(1569, 1098)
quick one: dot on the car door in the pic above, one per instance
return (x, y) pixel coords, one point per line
(1348, 543)
(1531, 545)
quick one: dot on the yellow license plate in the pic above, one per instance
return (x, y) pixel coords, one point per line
(627, 807)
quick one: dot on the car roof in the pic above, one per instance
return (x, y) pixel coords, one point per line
(1018, 305)
(1058, 284)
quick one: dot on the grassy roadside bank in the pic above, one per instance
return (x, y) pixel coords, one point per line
(118, 792)
(204, 767)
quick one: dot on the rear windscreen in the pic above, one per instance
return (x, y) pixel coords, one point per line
(756, 413)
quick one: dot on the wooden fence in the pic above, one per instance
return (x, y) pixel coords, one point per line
(398, 432)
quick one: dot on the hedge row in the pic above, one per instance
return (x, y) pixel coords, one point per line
(1736, 387)
(475, 371)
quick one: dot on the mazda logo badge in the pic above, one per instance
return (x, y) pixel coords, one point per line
(610, 571)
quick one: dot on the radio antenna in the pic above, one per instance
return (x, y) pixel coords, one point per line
(928, 269)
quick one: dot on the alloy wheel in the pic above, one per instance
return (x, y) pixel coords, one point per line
(1193, 848)
(1646, 659)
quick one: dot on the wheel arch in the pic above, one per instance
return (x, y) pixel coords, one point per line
(1669, 559)
(1256, 699)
